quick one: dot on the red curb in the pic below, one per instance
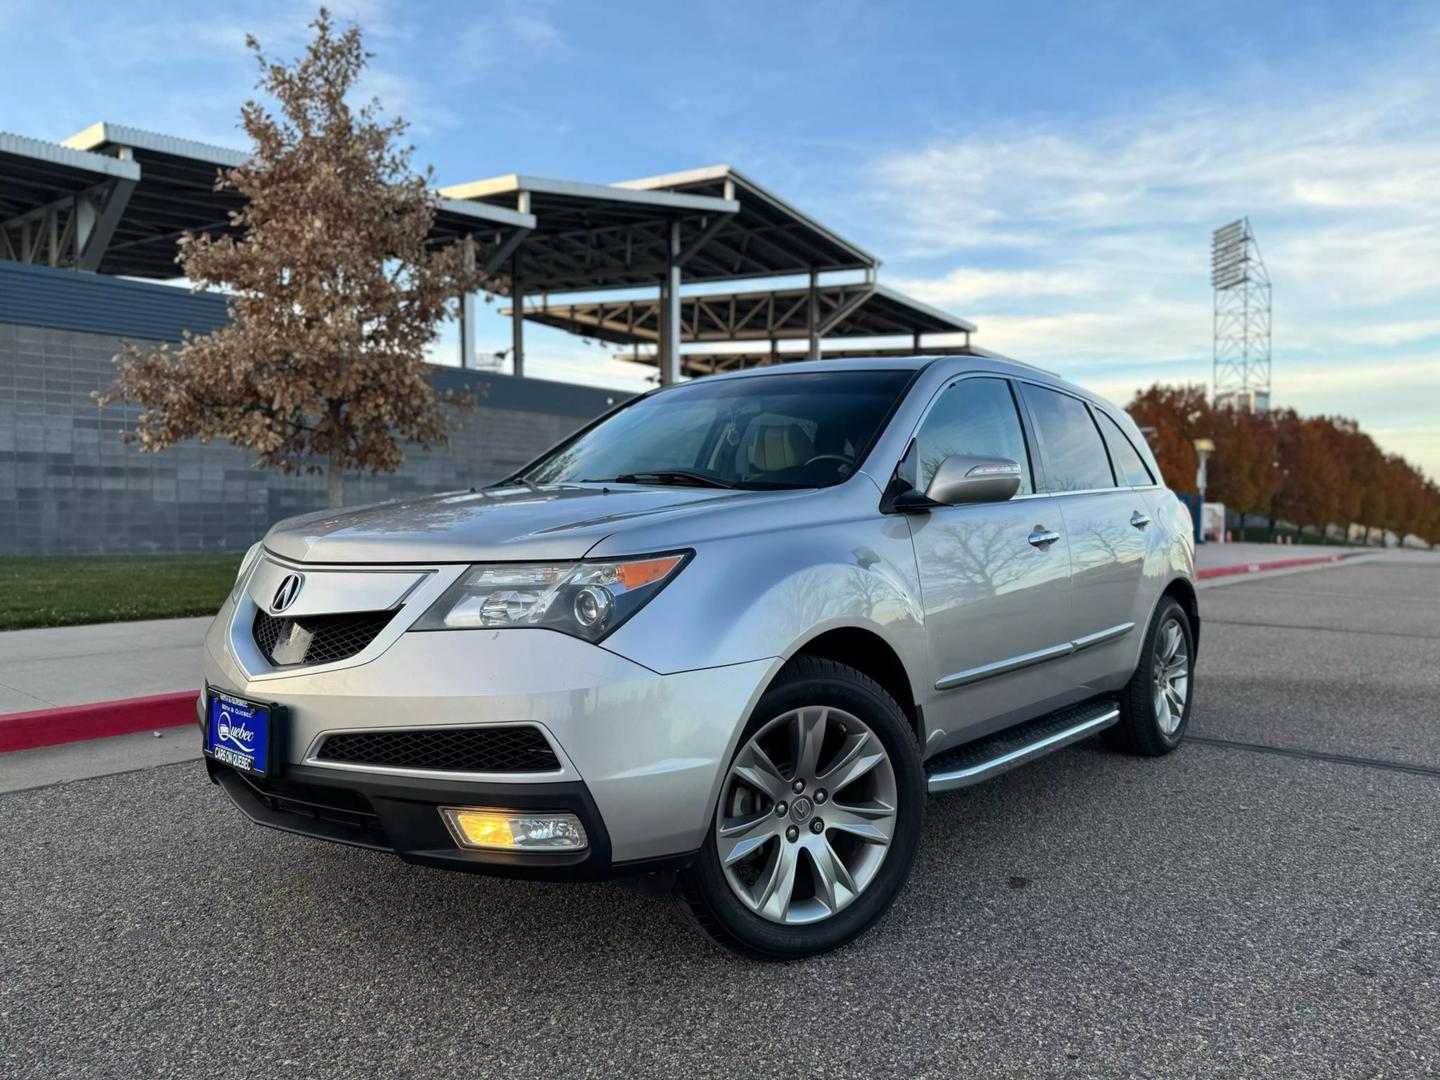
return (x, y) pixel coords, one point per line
(1257, 567)
(48, 727)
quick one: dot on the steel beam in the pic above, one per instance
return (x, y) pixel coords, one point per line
(517, 320)
(94, 246)
(812, 316)
(496, 259)
(467, 311)
(669, 356)
(711, 227)
(845, 309)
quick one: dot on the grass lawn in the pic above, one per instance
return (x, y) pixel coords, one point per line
(67, 591)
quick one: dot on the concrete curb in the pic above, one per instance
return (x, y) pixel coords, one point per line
(1273, 564)
(48, 727)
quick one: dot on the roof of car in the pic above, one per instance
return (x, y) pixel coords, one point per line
(976, 362)
(979, 361)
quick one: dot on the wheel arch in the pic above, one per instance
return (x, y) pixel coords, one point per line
(1182, 590)
(870, 654)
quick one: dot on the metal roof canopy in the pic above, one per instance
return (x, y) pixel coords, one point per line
(599, 236)
(709, 224)
(176, 192)
(769, 237)
(59, 206)
(591, 236)
(860, 309)
(132, 193)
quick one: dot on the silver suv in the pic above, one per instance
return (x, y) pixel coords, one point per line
(728, 637)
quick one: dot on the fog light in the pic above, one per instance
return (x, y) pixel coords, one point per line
(511, 830)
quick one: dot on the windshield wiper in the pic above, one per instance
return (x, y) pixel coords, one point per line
(677, 477)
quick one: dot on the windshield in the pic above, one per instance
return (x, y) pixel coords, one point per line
(770, 431)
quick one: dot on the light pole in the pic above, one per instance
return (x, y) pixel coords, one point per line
(1204, 448)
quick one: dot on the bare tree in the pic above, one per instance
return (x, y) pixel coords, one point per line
(334, 294)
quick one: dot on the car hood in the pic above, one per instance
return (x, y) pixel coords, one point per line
(562, 521)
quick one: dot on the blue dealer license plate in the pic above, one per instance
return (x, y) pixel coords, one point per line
(237, 733)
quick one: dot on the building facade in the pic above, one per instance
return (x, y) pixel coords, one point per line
(69, 486)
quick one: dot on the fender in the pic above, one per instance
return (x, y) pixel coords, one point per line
(762, 596)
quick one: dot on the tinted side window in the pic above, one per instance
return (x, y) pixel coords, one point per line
(1070, 445)
(1129, 465)
(974, 416)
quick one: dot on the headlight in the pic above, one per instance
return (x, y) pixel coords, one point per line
(245, 565)
(586, 599)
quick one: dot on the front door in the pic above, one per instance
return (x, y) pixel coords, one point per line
(994, 577)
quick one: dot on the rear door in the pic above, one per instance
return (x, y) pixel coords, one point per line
(994, 576)
(1105, 525)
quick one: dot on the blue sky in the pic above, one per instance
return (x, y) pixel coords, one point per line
(1049, 171)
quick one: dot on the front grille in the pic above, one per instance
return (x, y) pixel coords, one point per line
(489, 749)
(316, 639)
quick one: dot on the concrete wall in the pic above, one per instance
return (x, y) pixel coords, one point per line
(69, 486)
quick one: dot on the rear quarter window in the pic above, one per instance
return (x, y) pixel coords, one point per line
(1130, 468)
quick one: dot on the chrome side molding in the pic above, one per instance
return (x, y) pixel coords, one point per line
(1102, 636)
(1040, 656)
(1002, 667)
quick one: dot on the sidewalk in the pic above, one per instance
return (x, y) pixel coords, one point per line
(1213, 556)
(76, 665)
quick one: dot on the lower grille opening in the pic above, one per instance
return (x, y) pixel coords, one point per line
(487, 749)
(316, 639)
(321, 806)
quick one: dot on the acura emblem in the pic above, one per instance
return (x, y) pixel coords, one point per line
(287, 592)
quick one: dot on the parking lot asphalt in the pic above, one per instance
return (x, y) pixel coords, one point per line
(1223, 911)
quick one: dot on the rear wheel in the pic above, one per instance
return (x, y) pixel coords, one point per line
(818, 817)
(1155, 704)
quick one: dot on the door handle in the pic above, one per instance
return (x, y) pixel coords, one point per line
(1043, 537)
(1139, 519)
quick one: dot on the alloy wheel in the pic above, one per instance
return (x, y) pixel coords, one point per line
(806, 815)
(1171, 667)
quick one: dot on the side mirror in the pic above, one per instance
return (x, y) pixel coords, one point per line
(968, 478)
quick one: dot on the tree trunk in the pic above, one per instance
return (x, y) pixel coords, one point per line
(337, 481)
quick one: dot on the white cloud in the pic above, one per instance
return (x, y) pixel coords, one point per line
(965, 284)
(1083, 245)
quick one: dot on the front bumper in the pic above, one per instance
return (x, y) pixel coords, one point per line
(400, 815)
(641, 754)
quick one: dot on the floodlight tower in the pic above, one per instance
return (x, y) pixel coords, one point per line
(1242, 318)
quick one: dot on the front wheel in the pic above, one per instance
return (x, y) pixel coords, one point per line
(818, 818)
(1155, 704)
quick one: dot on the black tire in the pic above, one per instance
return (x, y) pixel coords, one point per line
(703, 891)
(1140, 728)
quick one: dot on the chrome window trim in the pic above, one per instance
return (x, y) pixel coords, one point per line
(1039, 656)
(1084, 491)
(566, 771)
(1090, 408)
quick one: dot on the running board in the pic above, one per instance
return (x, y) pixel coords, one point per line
(985, 758)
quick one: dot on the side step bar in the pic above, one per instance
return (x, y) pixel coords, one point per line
(985, 758)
